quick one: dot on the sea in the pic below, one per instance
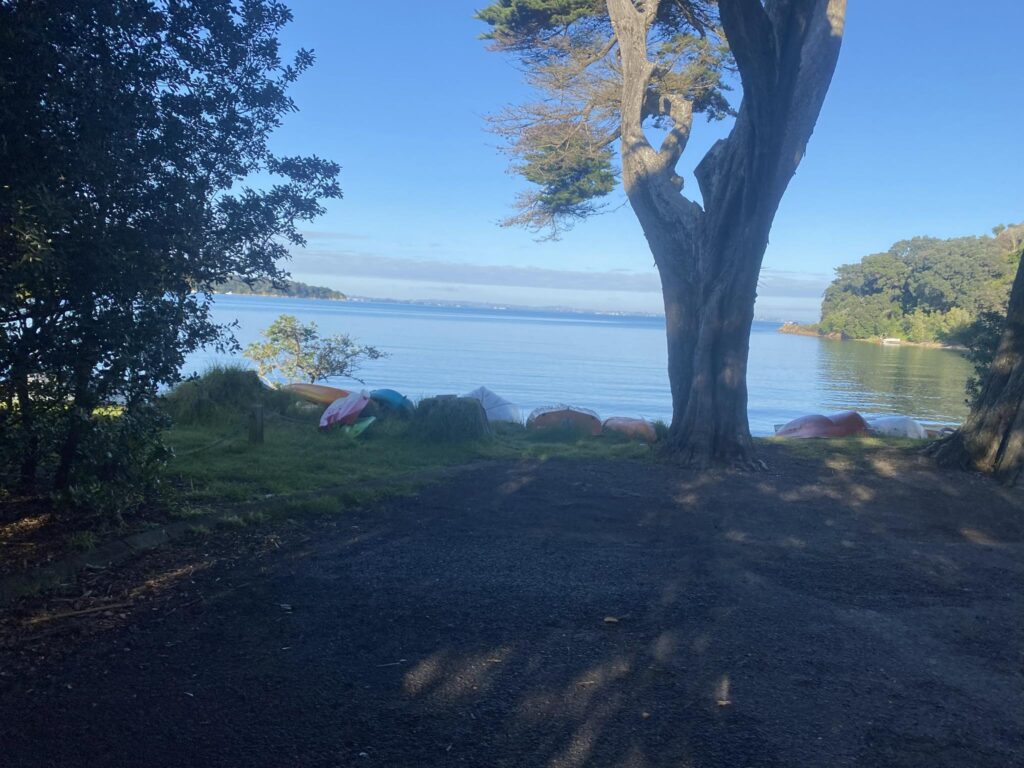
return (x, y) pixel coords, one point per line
(612, 364)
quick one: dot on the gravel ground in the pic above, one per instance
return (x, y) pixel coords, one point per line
(828, 612)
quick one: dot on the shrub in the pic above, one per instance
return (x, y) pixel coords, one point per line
(450, 419)
(223, 392)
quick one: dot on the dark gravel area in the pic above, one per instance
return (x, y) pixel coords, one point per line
(828, 612)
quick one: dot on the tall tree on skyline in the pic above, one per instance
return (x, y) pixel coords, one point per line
(607, 71)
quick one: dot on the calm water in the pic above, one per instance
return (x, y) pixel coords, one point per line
(614, 365)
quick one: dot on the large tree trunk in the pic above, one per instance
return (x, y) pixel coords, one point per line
(992, 438)
(708, 342)
(709, 258)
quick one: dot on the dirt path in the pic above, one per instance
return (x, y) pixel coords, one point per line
(574, 614)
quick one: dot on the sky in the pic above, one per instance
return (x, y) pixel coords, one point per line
(919, 135)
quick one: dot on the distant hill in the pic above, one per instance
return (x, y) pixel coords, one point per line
(291, 288)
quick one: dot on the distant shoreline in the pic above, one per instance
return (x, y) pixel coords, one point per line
(796, 329)
(441, 304)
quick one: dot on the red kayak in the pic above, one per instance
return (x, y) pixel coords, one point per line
(844, 424)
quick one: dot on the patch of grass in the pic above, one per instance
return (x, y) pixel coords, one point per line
(82, 541)
(842, 447)
(243, 520)
(197, 532)
(212, 465)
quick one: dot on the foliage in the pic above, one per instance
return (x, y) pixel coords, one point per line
(981, 338)
(924, 289)
(278, 288)
(296, 350)
(450, 419)
(563, 142)
(128, 131)
(220, 394)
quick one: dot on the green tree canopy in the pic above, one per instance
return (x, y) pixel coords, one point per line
(923, 289)
(563, 143)
(296, 351)
(129, 132)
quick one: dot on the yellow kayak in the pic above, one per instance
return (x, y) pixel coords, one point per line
(316, 393)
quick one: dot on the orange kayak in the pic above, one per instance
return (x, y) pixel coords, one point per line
(565, 417)
(637, 429)
(316, 393)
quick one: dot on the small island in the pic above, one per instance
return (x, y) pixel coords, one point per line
(289, 288)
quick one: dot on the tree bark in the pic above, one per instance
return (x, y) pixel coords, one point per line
(992, 438)
(29, 465)
(709, 257)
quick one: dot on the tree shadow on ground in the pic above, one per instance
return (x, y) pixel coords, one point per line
(844, 608)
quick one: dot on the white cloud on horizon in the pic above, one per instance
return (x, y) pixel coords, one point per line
(783, 294)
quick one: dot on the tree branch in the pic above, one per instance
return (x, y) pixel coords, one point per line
(752, 42)
(680, 110)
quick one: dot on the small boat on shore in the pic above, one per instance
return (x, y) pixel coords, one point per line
(565, 417)
(316, 393)
(843, 424)
(635, 429)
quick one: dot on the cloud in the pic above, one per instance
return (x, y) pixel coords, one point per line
(779, 283)
(362, 264)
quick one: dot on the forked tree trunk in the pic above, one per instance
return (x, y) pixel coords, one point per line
(709, 258)
(992, 438)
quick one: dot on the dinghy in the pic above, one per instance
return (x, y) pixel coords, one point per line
(316, 393)
(636, 429)
(565, 417)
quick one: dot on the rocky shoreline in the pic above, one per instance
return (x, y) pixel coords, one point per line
(796, 329)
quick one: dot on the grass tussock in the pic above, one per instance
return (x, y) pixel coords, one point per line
(223, 393)
(449, 419)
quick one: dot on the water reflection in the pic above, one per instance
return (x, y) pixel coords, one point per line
(926, 383)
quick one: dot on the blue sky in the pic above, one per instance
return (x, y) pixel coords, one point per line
(919, 135)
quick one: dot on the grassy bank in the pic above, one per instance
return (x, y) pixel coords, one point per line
(215, 463)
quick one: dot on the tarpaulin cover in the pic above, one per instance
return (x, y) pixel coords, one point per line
(495, 406)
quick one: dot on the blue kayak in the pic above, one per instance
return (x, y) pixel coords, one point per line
(392, 401)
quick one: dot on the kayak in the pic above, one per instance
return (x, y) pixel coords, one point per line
(898, 426)
(636, 429)
(355, 430)
(316, 393)
(565, 417)
(844, 424)
(495, 406)
(391, 402)
(344, 410)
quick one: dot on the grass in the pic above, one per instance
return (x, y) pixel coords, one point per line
(214, 462)
(848, 447)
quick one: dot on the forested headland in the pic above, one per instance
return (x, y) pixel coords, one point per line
(924, 290)
(291, 288)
